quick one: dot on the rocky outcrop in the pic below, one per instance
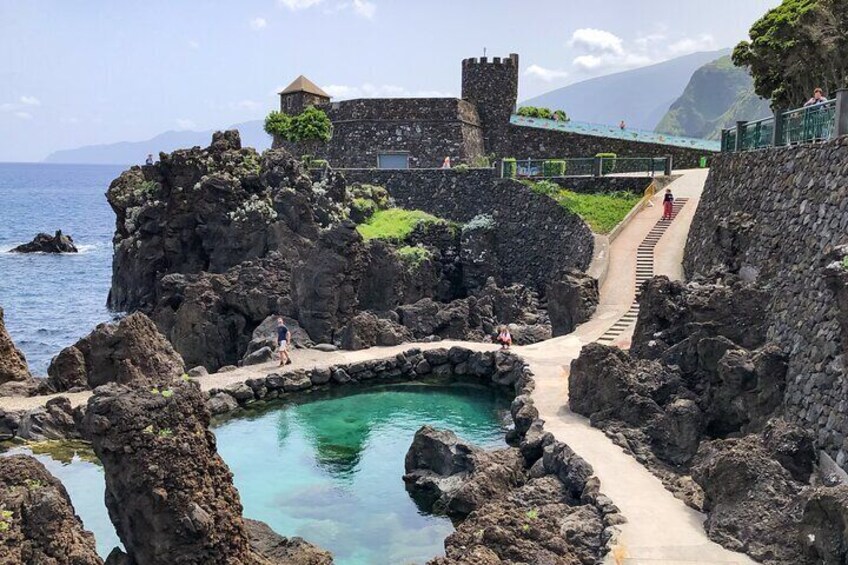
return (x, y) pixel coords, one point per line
(447, 476)
(37, 520)
(13, 365)
(326, 283)
(56, 420)
(572, 299)
(760, 501)
(366, 330)
(46, 243)
(724, 305)
(169, 493)
(129, 351)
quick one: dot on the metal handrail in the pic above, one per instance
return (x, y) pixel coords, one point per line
(583, 166)
(808, 124)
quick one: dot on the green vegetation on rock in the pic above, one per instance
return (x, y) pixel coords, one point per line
(394, 224)
(717, 96)
(414, 255)
(602, 212)
(309, 128)
(796, 47)
(64, 451)
(544, 113)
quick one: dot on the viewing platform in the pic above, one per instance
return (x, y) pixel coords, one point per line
(616, 132)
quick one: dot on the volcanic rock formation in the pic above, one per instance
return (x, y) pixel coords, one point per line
(168, 492)
(13, 365)
(46, 243)
(131, 350)
(211, 242)
(37, 520)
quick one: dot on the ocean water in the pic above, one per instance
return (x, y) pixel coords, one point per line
(51, 301)
(329, 468)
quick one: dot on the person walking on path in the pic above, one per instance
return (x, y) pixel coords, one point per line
(504, 337)
(668, 204)
(283, 339)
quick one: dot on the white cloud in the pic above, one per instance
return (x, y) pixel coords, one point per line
(547, 75)
(298, 4)
(192, 44)
(258, 23)
(246, 104)
(367, 90)
(596, 41)
(30, 101)
(23, 115)
(364, 8)
(184, 123)
(610, 61)
(704, 42)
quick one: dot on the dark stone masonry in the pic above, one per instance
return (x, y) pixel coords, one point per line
(421, 132)
(777, 217)
(535, 238)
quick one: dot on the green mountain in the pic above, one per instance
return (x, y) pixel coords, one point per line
(718, 94)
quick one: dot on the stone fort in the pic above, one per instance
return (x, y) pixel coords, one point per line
(421, 132)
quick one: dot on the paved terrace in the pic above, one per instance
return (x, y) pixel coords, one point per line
(661, 530)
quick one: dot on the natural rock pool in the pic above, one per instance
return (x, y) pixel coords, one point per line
(328, 467)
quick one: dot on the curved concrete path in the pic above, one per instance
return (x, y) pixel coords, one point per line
(661, 530)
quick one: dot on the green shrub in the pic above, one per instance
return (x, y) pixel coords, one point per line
(554, 168)
(318, 164)
(561, 116)
(608, 165)
(479, 222)
(509, 168)
(543, 113)
(482, 162)
(545, 187)
(394, 224)
(462, 168)
(845, 263)
(310, 128)
(277, 123)
(361, 209)
(414, 255)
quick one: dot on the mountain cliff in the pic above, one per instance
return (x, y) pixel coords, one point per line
(640, 97)
(717, 95)
(134, 152)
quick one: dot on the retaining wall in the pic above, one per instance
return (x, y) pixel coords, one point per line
(774, 215)
(535, 238)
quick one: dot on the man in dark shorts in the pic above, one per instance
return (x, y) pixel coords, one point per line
(283, 339)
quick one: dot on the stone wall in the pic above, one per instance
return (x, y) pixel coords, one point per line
(536, 239)
(428, 129)
(492, 86)
(595, 185)
(525, 142)
(774, 216)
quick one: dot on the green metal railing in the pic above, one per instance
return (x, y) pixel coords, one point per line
(810, 124)
(584, 167)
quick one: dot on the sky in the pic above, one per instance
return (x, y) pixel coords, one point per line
(81, 72)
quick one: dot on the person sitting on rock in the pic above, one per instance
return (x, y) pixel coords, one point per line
(283, 339)
(504, 337)
(149, 160)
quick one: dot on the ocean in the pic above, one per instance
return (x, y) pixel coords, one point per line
(50, 301)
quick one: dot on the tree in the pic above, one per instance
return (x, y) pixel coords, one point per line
(796, 47)
(543, 113)
(309, 128)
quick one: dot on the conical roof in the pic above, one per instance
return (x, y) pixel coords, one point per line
(303, 84)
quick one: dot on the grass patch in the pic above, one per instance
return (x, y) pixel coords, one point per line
(602, 212)
(394, 224)
(413, 255)
(845, 263)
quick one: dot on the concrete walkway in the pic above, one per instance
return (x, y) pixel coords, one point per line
(661, 530)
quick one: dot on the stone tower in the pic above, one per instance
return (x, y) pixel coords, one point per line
(492, 85)
(300, 94)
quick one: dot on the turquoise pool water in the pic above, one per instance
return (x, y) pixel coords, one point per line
(329, 468)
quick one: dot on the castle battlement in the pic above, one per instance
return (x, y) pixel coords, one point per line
(512, 60)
